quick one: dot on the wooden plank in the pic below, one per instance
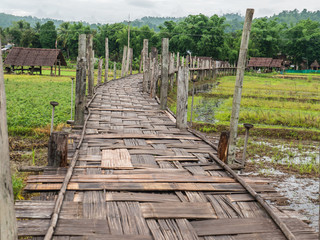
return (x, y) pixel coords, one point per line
(240, 198)
(186, 210)
(116, 159)
(141, 197)
(235, 226)
(141, 136)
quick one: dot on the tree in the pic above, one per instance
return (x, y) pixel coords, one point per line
(303, 41)
(48, 35)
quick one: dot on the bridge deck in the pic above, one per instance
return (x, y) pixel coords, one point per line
(139, 177)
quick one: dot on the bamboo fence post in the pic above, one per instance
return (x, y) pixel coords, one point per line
(164, 74)
(100, 71)
(114, 70)
(145, 64)
(80, 101)
(182, 97)
(131, 60)
(124, 57)
(106, 60)
(8, 222)
(238, 87)
(90, 65)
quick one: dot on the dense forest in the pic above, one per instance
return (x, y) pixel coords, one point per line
(291, 33)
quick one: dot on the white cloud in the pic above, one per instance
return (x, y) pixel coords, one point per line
(110, 11)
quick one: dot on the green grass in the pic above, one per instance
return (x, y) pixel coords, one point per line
(268, 102)
(28, 101)
(17, 186)
(29, 96)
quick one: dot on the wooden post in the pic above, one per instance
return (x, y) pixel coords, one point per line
(100, 71)
(114, 70)
(164, 74)
(8, 223)
(128, 54)
(58, 149)
(90, 65)
(141, 61)
(131, 60)
(127, 62)
(182, 97)
(106, 60)
(145, 64)
(155, 75)
(51, 71)
(192, 101)
(80, 101)
(238, 87)
(223, 146)
(124, 57)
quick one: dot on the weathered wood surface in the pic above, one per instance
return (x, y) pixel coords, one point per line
(139, 177)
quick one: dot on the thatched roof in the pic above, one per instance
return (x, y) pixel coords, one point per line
(315, 64)
(19, 56)
(265, 62)
(276, 63)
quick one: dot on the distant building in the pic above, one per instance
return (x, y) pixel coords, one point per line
(315, 65)
(265, 63)
(34, 58)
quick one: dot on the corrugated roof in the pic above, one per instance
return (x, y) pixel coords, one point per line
(19, 56)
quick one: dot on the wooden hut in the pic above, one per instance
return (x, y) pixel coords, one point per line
(266, 63)
(315, 65)
(35, 59)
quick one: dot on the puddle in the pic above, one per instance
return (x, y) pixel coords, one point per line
(302, 194)
(205, 108)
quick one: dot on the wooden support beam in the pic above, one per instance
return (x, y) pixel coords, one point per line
(106, 60)
(238, 87)
(182, 97)
(58, 149)
(155, 72)
(114, 70)
(8, 224)
(80, 101)
(90, 65)
(164, 74)
(145, 65)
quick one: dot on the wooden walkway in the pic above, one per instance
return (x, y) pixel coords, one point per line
(139, 177)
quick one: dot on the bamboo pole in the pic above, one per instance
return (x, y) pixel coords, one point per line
(238, 87)
(8, 224)
(182, 97)
(145, 64)
(124, 57)
(80, 100)
(106, 60)
(164, 73)
(90, 65)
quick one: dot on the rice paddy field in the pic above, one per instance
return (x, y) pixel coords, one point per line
(267, 102)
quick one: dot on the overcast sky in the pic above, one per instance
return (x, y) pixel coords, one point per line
(110, 11)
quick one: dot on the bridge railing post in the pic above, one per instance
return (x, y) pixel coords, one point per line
(90, 60)
(164, 74)
(80, 101)
(106, 60)
(182, 97)
(8, 224)
(145, 65)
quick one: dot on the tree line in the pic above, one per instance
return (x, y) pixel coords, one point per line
(198, 35)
